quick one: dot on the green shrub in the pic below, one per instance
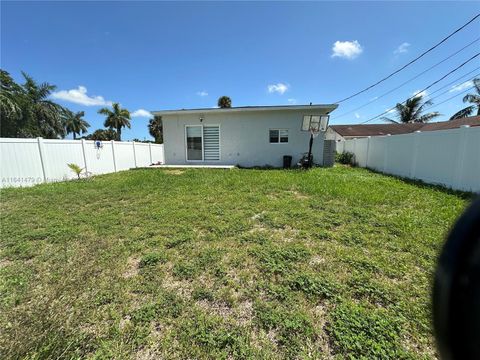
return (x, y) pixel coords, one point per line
(346, 158)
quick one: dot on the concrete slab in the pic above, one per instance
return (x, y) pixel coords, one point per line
(189, 167)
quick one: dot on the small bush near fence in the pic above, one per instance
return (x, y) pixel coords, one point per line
(346, 158)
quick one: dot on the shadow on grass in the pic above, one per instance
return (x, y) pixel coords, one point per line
(466, 195)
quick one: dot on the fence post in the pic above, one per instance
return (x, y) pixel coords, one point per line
(460, 161)
(416, 142)
(385, 153)
(368, 151)
(113, 155)
(150, 151)
(134, 154)
(84, 156)
(43, 160)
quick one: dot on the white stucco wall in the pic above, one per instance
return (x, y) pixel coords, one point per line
(244, 137)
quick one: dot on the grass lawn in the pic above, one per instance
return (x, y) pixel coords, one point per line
(201, 263)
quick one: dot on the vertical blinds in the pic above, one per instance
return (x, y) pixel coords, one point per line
(211, 142)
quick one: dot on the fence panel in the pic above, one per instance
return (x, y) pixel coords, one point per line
(20, 162)
(124, 155)
(26, 162)
(59, 153)
(99, 161)
(400, 151)
(157, 154)
(446, 157)
(142, 152)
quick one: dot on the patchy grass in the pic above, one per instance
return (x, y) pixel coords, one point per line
(221, 264)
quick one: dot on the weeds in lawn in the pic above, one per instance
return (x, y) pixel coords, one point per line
(221, 264)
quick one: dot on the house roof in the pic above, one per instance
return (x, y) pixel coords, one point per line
(452, 124)
(397, 129)
(375, 129)
(324, 108)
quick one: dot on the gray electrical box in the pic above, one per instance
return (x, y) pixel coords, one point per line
(329, 153)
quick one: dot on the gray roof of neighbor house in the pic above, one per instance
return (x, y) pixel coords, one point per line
(397, 129)
(325, 108)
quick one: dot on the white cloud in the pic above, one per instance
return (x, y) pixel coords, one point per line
(402, 48)
(79, 96)
(462, 86)
(346, 49)
(357, 115)
(417, 93)
(202, 93)
(278, 88)
(292, 101)
(141, 113)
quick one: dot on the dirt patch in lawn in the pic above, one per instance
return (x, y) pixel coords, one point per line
(174, 172)
(132, 267)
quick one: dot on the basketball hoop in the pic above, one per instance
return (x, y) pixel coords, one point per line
(315, 124)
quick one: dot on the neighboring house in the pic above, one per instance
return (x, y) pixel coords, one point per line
(345, 132)
(244, 136)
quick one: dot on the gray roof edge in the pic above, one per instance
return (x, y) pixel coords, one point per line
(329, 107)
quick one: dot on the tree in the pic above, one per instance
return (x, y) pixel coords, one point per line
(11, 98)
(26, 109)
(472, 99)
(102, 135)
(75, 124)
(116, 119)
(43, 117)
(224, 102)
(411, 111)
(155, 128)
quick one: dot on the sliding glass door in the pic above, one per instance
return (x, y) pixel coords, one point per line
(194, 135)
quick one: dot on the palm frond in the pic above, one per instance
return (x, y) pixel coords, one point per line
(463, 113)
(427, 117)
(471, 98)
(476, 83)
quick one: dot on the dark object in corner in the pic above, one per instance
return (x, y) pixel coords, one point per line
(456, 293)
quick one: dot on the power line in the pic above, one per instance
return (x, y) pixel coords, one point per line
(428, 87)
(456, 80)
(450, 98)
(411, 62)
(409, 80)
(448, 90)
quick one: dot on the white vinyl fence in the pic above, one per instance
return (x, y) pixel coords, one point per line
(26, 162)
(446, 157)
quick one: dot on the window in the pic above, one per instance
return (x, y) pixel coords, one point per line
(278, 136)
(202, 142)
(194, 142)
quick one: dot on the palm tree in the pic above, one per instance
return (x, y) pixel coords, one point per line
(12, 97)
(44, 116)
(116, 119)
(411, 111)
(224, 102)
(155, 128)
(75, 124)
(470, 98)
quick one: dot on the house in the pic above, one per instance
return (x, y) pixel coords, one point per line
(345, 132)
(245, 136)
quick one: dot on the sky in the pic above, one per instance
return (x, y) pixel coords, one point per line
(162, 55)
